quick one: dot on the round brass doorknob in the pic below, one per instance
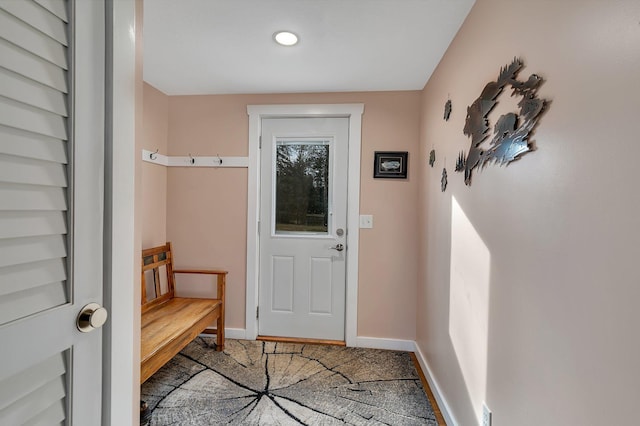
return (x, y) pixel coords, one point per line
(92, 316)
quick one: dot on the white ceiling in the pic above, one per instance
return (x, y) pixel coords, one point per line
(226, 46)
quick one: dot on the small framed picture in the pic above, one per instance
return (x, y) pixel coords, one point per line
(390, 164)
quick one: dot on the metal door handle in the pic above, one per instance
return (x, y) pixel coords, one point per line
(92, 316)
(338, 247)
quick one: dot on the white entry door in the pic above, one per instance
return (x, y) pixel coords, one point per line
(51, 215)
(303, 220)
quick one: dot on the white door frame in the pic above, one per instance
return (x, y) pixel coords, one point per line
(121, 337)
(256, 114)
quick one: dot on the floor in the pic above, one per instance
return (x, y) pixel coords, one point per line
(264, 383)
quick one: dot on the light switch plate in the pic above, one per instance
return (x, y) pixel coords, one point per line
(366, 221)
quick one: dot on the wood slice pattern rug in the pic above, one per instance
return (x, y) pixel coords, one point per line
(267, 383)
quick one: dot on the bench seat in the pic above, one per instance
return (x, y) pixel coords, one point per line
(167, 328)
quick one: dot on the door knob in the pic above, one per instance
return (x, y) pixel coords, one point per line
(338, 247)
(92, 316)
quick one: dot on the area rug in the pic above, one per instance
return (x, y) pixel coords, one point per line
(268, 383)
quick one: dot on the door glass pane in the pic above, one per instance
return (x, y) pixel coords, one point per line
(302, 187)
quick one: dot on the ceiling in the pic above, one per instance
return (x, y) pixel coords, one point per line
(226, 46)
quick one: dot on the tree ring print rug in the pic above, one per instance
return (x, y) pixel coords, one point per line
(269, 383)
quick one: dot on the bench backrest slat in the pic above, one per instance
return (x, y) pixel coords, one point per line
(154, 259)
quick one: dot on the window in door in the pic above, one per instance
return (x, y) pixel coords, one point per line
(302, 190)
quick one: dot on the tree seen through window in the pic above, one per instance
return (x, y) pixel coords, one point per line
(302, 187)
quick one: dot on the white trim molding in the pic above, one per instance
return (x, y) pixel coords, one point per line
(256, 114)
(235, 333)
(433, 384)
(121, 350)
(230, 333)
(154, 157)
(388, 344)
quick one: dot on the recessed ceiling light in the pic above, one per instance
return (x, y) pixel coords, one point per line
(285, 38)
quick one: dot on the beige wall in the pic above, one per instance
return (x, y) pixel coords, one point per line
(155, 125)
(206, 208)
(561, 225)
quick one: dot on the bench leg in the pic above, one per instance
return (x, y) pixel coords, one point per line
(145, 414)
(220, 332)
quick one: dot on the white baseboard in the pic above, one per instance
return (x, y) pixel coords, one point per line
(433, 384)
(235, 333)
(231, 333)
(389, 344)
(361, 342)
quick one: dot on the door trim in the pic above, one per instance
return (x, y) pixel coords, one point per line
(121, 333)
(256, 114)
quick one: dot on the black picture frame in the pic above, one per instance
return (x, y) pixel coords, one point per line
(390, 164)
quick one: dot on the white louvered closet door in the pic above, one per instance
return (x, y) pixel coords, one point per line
(51, 209)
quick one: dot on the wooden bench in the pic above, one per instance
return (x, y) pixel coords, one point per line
(169, 323)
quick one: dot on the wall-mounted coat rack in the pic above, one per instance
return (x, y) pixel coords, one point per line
(193, 160)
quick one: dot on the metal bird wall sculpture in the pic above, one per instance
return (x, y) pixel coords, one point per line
(510, 138)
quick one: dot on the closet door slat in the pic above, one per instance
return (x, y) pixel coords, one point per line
(15, 388)
(35, 172)
(27, 302)
(38, 402)
(14, 251)
(31, 145)
(30, 66)
(32, 40)
(16, 224)
(54, 415)
(18, 88)
(57, 7)
(25, 276)
(22, 116)
(32, 197)
(35, 395)
(38, 17)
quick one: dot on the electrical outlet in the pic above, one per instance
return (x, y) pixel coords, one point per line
(486, 415)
